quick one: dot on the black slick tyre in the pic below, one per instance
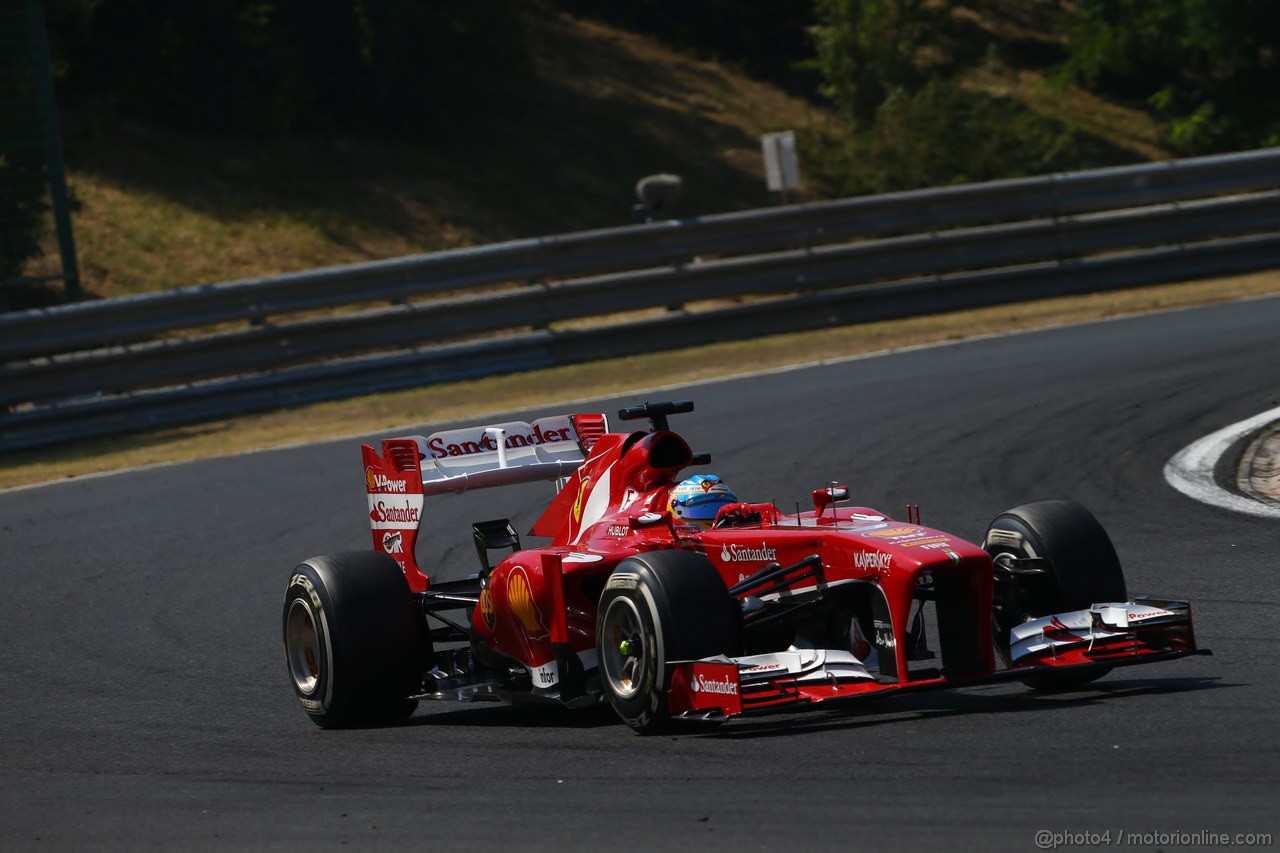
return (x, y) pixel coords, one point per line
(657, 608)
(354, 644)
(1081, 565)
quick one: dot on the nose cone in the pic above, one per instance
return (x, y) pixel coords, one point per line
(911, 546)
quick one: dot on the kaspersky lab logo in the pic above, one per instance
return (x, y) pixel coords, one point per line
(733, 553)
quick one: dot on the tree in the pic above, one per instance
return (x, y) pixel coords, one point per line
(1208, 66)
(23, 207)
(23, 183)
(944, 134)
(869, 49)
(767, 39)
(284, 65)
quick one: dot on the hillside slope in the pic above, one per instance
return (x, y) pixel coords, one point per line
(160, 208)
(163, 209)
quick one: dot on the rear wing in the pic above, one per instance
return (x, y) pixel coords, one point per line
(412, 467)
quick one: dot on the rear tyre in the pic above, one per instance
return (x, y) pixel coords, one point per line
(354, 643)
(656, 608)
(1083, 569)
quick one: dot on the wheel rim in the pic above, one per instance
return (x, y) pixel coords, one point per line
(302, 641)
(1007, 611)
(625, 655)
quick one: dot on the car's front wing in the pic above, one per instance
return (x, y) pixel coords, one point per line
(1062, 645)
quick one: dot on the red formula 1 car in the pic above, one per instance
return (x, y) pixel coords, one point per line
(646, 600)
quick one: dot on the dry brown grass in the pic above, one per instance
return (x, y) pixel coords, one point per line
(393, 413)
(1124, 127)
(161, 209)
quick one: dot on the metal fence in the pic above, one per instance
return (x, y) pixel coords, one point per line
(169, 358)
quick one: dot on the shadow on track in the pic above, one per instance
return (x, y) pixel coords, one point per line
(517, 716)
(867, 713)
(959, 704)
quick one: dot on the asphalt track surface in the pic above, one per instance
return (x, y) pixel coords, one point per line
(144, 701)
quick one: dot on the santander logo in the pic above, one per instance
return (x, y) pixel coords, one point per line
(389, 513)
(455, 442)
(724, 686)
(733, 553)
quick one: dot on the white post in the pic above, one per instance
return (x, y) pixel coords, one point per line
(500, 436)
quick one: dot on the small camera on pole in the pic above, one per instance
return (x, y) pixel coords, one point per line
(656, 193)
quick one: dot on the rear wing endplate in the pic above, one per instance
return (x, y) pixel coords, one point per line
(412, 467)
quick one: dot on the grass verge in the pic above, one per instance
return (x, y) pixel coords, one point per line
(391, 413)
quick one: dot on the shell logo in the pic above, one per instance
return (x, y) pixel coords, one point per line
(486, 609)
(892, 531)
(369, 481)
(520, 600)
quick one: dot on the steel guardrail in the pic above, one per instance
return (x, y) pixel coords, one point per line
(272, 347)
(656, 244)
(92, 363)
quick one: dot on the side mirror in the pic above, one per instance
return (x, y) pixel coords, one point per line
(834, 493)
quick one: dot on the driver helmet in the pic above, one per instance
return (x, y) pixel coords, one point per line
(698, 499)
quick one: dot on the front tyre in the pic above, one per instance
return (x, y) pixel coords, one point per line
(656, 608)
(354, 643)
(1082, 569)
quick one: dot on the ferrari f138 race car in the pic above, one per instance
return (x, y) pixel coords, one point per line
(673, 600)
